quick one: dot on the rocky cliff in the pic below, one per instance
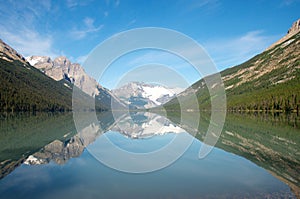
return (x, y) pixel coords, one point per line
(62, 68)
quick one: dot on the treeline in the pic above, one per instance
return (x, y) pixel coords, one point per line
(284, 97)
(15, 101)
(24, 88)
(290, 103)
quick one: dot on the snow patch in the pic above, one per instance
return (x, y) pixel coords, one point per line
(34, 60)
(66, 85)
(287, 43)
(6, 59)
(156, 92)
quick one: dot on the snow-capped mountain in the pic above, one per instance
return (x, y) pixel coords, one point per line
(142, 95)
(62, 69)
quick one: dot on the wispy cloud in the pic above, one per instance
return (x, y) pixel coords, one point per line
(28, 42)
(81, 59)
(231, 51)
(207, 6)
(87, 28)
(18, 28)
(74, 3)
(223, 52)
(132, 22)
(288, 2)
(117, 3)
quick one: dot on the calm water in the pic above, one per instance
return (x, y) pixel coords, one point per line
(44, 156)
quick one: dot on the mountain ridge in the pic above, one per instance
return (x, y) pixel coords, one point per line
(26, 88)
(61, 68)
(144, 95)
(270, 81)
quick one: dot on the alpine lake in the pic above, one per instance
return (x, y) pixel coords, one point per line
(46, 156)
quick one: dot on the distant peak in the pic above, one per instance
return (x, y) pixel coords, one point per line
(38, 59)
(62, 61)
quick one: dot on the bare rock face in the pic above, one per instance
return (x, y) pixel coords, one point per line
(291, 32)
(9, 54)
(295, 27)
(62, 68)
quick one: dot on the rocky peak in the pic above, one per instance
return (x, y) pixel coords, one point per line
(295, 27)
(9, 54)
(62, 68)
(33, 60)
(61, 61)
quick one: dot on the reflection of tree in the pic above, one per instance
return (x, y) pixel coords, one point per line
(270, 141)
(24, 134)
(47, 136)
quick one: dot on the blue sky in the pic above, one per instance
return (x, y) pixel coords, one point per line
(230, 31)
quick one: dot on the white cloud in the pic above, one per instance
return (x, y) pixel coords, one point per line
(288, 2)
(232, 51)
(132, 22)
(74, 3)
(28, 42)
(18, 27)
(89, 27)
(225, 52)
(81, 59)
(117, 3)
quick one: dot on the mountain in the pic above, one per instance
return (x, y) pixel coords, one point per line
(24, 88)
(62, 69)
(268, 81)
(141, 95)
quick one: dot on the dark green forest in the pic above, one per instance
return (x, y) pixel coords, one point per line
(24, 88)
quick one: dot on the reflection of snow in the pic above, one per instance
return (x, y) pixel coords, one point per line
(31, 160)
(151, 126)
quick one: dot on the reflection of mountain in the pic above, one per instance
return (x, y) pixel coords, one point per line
(271, 142)
(144, 125)
(45, 137)
(61, 151)
(137, 125)
(23, 135)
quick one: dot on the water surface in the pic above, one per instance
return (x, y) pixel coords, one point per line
(45, 157)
